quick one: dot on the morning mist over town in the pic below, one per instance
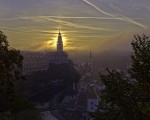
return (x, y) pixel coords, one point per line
(74, 60)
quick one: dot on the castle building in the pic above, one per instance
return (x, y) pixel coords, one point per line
(35, 61)
(39, 61)
(60, 56)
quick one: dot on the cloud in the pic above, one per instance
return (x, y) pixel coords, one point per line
(123, 18)
(67, 17)
(30, 32)
(92, 36)
(33, 25)
(60, 20)
(68, 24)
(15, 30)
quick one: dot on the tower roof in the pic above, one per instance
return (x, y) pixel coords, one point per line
(90, 55)
(59, 32)
(59, 42)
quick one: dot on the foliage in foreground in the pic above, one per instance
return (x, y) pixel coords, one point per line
(22, 115)
(127, 96)
(10, 65)
(12, 102)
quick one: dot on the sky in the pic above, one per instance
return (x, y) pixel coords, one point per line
(86, 25)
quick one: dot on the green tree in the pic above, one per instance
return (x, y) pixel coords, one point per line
(12, 102)
(126, 97)
(10, 65)
(140, 65)
(140, 72)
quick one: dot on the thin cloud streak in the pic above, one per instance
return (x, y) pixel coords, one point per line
(69, 24)
(126, 19)
(88, 36)
(69, 17)
(65, 23)
(26, 32)
(14, 30)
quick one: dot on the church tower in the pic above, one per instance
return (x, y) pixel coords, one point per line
(59, 43)
(91, 62)
(60, 56)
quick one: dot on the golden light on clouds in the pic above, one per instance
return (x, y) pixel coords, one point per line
(65, 39)
(85, 24)
(52, 42)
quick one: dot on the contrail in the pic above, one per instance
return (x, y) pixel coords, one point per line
(97, 8)
(126, 19)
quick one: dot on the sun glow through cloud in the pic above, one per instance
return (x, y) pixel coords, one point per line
(52, 43)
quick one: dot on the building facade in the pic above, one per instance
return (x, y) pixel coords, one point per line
(35, 61)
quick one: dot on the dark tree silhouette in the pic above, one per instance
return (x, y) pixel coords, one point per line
(10, 67)
(140, 72)
(126, 97)
(13, 104)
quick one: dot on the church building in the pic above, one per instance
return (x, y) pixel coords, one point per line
(60, 56)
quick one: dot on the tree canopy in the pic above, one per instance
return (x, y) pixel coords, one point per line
(127, 96)
(10, 67)
(13, 104)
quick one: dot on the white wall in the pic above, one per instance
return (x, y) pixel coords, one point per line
(92, 105)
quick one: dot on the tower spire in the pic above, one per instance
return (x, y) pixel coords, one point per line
(59, 42)
(59, 29)
(59, 32)
(91, 61)
(90, 55)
